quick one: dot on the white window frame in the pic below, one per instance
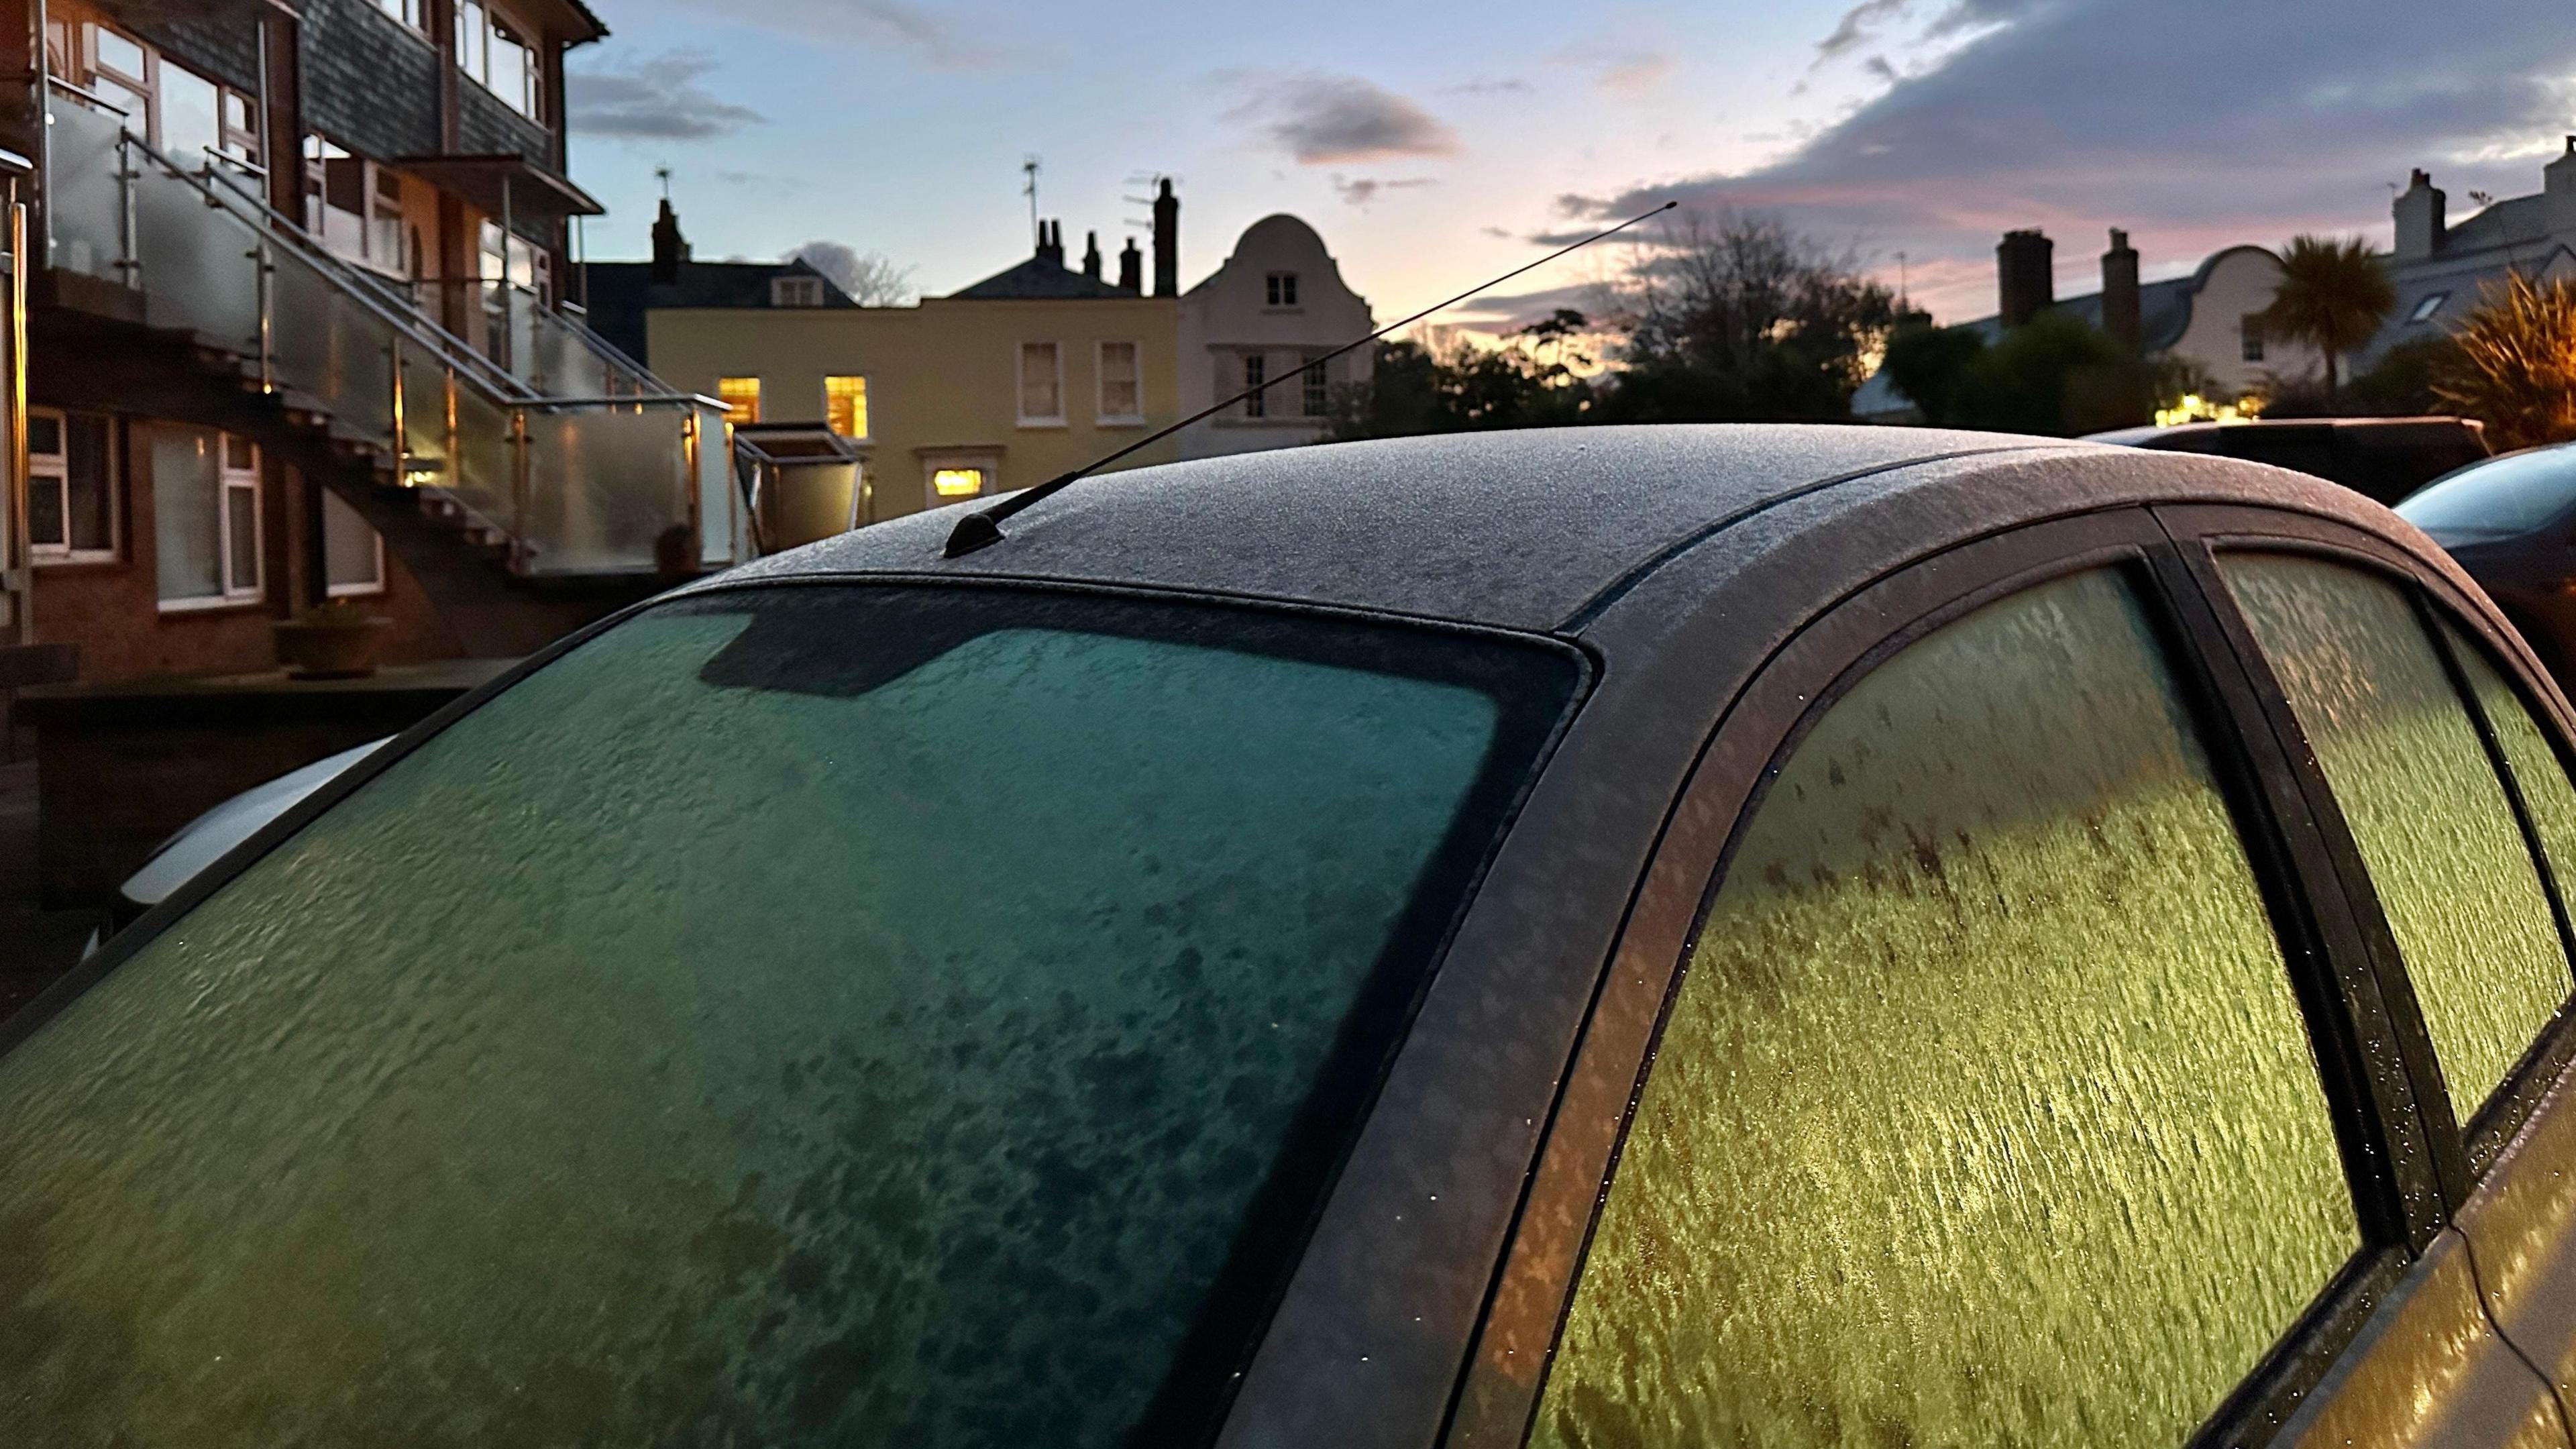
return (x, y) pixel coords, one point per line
(1279, 291)
(867, 404)
(228, 481)
(55, 470)
(2249, 337)
(1256, 389)
(1020, 388)
(1315, 386)
(1103, 417)
(362, 588)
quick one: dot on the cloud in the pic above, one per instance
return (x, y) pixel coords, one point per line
(654, 98)
(941, 40)
(1361, 190)
(1857, 22)
(2080, 115)
(1321, 119)
(1878, 66)
(1506, 86)
(1627, 72)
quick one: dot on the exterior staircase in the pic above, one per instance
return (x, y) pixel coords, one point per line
(526, 490)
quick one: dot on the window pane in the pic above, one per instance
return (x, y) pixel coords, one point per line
(845, 405)
(957, 482)
(185, 531)
(741, 397)
(45, 512)
(89, 488)
(871, 1030)
(2425, 807)
(1038, 395)
(1985, 1109)
(44, 434)
(1256, 370)
(1318, 388)
(242, 538)
(1120, 393)
(2546, 793)
(190, 124)
(114, 52)
(348, 547)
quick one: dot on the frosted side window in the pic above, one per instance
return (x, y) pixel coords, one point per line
(2431, 819)
(1985, 1113)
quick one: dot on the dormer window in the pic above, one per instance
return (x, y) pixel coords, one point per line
(1280, 289)
(2425, 309)
(796, 291)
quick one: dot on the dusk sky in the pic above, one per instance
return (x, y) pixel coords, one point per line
(1434, 144)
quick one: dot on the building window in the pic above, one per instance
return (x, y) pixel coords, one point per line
(1256, 370)
(71, 495)
(498, 55)
(1122, 383)
(741, 397)
(120, 72)
(2425, 309)
(1041, 385)
(205, 511)
(385, 228)
(353, 553)
(796, 291)
(845, 405)
(1280, 289)
(413, 13)
(957, 482)
(1318, 389)
(2251, 331)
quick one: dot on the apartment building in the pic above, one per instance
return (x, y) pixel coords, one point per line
(297, 329)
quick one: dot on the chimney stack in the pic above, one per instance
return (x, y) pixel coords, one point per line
(1131, 268)
(1167, 241)
(670, 248)
(2026, 275)
(2558, 192)
(1051, 242)
(2419, 214)
(1091, 255)
(2120, 291)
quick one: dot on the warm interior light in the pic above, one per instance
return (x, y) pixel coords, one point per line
(845, 405)
(2193, 408)
(741, 397)
(957, 482)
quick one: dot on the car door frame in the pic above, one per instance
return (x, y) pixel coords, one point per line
(2397, 1193)
(2480, 1195)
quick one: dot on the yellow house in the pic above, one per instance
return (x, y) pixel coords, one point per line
(1020, 377)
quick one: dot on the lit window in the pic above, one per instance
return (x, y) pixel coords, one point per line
(71, 501)
(1041, 384)
(1318, 390)
(1281, 289)
(1256, 370)
(957, 482)
(845, 405)
(353, 553)
(2251, 344)
(206, 516)
(2425, 309)
(796, 291)
(741, 397)
(1122, 388)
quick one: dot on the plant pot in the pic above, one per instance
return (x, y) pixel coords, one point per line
(333, 650)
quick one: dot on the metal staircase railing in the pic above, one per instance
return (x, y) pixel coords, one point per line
(582, 460)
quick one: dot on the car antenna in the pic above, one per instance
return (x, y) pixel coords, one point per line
(983, 528)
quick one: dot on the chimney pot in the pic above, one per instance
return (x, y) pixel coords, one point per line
(1091, 255)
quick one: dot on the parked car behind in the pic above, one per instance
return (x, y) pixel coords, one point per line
(2511, 522)
(1609, 936)
(2379, 458)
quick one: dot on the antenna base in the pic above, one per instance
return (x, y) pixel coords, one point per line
(972, 532)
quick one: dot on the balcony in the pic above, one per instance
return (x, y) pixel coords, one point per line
(570, 454)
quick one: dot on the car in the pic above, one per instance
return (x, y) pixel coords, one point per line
(2380, 458)
(1662, 935)
(2511, 522)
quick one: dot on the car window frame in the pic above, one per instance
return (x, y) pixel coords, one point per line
(2396, 1202)
(2464, 1153)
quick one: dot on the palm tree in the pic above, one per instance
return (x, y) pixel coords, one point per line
(2333, 295)
(2513, 364)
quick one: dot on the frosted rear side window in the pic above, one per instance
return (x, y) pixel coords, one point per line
(1985, 1113)
(2421, 795)
(868, 1017)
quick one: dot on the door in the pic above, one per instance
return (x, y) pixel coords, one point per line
(2446, 766)
(2014, 1078)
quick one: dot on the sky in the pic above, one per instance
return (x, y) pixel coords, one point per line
(1434, 144)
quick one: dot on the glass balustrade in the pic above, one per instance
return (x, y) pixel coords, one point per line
(535, 449)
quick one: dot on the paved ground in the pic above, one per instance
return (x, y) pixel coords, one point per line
(35, 946)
